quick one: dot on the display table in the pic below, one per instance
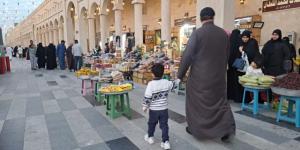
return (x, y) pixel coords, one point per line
(117, 104)
(291, 116)
(293, 98)
(255, 90)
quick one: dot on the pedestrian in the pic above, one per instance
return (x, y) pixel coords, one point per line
(9, 52)
(249, 45)
(24, 52)
(70, 58)
(15, 51)
(156, 100)
(51, 57)
(60, 52)
(41, 54)
(32, 54)
(208, 112)
(106, 50)
(233, 86)
(77, 52)
(20, 52)
(275, 54)
(292, 50)
(255, 67)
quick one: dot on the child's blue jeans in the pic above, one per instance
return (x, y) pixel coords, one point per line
(162, 117)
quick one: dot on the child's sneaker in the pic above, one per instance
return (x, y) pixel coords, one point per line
(165, 145)
(148, 139)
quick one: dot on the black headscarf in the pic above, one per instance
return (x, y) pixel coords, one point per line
(279, 33)
(247, 33)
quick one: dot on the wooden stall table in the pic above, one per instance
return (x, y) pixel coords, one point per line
(111, 104)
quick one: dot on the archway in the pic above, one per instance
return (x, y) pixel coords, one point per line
(71, 16)
(83, 29)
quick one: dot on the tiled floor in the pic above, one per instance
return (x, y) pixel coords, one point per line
(44, 110)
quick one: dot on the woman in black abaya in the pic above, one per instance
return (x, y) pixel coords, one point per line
(233, 92)
(41, 54)
(51, 57)
(275, 53)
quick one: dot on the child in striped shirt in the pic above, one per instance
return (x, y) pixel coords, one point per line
(155, 100)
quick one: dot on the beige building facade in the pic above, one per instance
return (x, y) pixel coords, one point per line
(93, 22)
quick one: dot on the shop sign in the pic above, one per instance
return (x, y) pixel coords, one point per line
(273, 5)
(182, 21)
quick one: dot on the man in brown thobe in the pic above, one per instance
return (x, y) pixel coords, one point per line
(208, 112)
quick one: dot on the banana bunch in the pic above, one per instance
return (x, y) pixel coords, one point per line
(116, 88)
(86, 72)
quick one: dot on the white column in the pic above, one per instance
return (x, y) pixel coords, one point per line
(44, 37)
(47, 37)
(92, 33)
(118, 18)
(41, 37)
(224, 12)
(55, 36)
(165, 21)
(51, 33)
(60, 34)
(138, 21)
(103, 29)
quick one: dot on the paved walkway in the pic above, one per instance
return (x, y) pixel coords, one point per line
(44, 110)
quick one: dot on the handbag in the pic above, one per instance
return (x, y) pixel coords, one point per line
(239, 63)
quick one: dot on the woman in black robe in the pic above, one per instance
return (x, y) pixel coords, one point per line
(275, 53)
(15, 52)
(292, 50)
(249, 46)
(40, 54)
(70, 59)
(25, 50)
(233, 92)
(51, 57)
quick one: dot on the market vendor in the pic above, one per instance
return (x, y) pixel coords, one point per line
(208, 112)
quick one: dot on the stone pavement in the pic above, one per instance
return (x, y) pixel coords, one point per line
(44, 110)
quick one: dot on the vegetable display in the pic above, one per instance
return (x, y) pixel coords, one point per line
(290, 81)
(255, 81)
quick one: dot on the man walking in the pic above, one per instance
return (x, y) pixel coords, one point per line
(60, 52)
(208, 112)
(77, 52)
(32, 54)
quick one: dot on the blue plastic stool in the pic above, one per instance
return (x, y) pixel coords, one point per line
(291, 116)
(255, 106)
